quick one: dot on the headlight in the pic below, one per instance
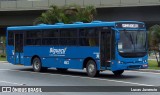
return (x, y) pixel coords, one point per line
(119, 62)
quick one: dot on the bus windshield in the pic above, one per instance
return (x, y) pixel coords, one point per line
(132, 41)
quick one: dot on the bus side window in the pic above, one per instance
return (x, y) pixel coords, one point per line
(68, 37)
(50, 37)
(33, 37)
(83, 41)
(89, 37)
(93, 35)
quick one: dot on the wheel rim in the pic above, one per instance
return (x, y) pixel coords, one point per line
(91, 68)
(36, 64)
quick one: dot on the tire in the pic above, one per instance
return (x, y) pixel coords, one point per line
(61, 69)
(118, 72)
(91, 68)
(37, 65)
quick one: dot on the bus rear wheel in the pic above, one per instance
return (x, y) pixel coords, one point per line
(118, 72)
(91, 68)
(37, 65)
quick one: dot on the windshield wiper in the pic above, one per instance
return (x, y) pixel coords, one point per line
(130, 38)
(137, 36)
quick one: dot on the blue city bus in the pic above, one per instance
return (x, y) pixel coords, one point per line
(96, 46)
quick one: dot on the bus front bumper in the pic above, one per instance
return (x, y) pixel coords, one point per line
(130, 66)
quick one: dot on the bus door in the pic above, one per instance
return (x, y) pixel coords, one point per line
(105, 47)
(18, 48)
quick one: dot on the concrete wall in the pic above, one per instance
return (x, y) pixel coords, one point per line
(44, 4)
(23, 12)
(18, 17)
(149, 14)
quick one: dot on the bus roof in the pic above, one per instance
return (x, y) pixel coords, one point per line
(74, 25)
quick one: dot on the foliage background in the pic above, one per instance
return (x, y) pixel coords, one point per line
(67, 14)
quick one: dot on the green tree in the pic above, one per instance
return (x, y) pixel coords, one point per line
(87, 14)
(76, 13)
(53, 15)
(71, 12)
(67, 14)
(3, 45)
(154, 41)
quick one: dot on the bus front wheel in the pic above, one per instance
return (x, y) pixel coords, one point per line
(118, 72)
(37, 65)
(91, 68)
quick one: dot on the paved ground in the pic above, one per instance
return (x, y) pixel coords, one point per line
(11, 75)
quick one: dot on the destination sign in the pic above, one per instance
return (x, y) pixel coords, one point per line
(130, 25)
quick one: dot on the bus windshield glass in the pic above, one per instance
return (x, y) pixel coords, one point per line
(132, 41)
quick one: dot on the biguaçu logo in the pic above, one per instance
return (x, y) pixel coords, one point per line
(58, 51)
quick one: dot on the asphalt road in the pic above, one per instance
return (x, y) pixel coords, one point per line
(12, 75)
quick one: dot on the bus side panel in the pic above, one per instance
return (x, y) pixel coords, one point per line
(21, 58)
(27, 61)
(17, 58)
(79, 54)
(10, 54)
(62, 57)
(50, 62)
(62, 63)
(98, 65)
